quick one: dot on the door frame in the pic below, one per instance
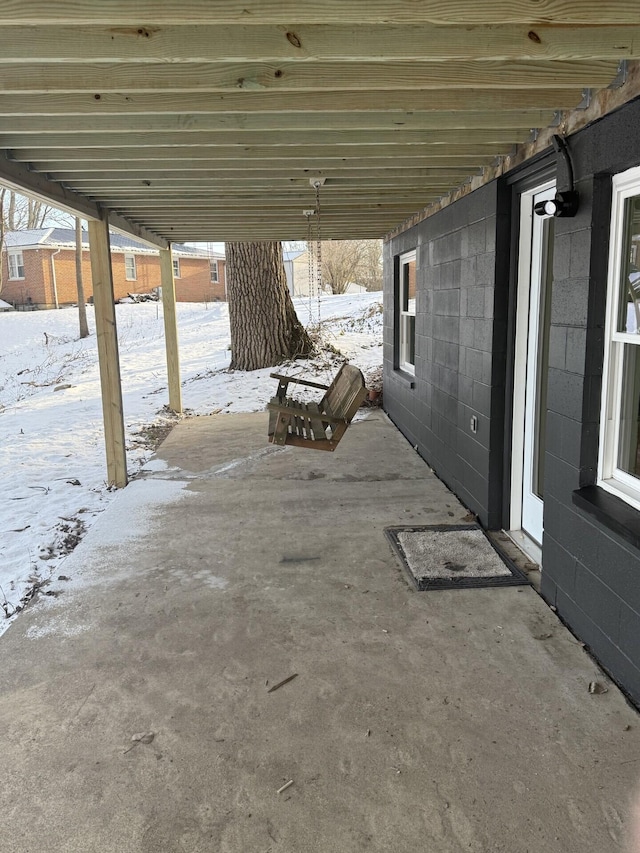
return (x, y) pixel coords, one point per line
(519, 416)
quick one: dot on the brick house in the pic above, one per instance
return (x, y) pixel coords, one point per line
(39, 269)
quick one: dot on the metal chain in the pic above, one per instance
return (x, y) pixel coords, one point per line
(319, 252)
(309, 269)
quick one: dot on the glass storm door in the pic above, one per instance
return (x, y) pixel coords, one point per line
(535, 275)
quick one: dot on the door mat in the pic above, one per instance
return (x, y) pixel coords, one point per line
(451, 556)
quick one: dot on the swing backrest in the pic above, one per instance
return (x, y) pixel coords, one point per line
(345, 393)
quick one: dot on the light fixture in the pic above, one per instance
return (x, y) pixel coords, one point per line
(564, 204)
(566, 201)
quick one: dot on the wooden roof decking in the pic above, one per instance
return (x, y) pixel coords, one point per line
(203, 120)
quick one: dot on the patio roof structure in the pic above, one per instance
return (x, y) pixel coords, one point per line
(194, 120)
(200, 120)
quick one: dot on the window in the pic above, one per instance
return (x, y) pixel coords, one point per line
(16, 265)
(130, 267)
(214, 270)
(619, 466)
(407, 318)
(176, 267)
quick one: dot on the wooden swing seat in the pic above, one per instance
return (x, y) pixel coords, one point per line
(316, 425)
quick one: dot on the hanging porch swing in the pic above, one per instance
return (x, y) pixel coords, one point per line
(316, 425)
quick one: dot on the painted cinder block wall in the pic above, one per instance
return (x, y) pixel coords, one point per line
(460, 348)
(591, 557)
(591, 565)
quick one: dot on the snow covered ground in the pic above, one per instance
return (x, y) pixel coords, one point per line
(51, 441)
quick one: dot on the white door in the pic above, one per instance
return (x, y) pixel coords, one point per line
(535, 274)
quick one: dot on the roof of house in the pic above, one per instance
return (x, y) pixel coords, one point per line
(292, 256)
(65, 238)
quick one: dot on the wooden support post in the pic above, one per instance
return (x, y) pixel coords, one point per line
(108, 352)
(170, 329)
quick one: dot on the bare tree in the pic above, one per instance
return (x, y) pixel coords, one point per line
(82, 308)
(265, 329)
(351, 261)
(23, 213)
(370, 274)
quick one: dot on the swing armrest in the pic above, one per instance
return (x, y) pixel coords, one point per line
(286, 379)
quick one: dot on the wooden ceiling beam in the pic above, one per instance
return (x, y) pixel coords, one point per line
(198, 189)
(329, 170)
(187, 124)
(308, 77)
(17, 177)
(467, 163)
(301, 200)
(283, 138)
(213, 42)
(398, 101)
(283, 214)
(161, 158)
(229, 204)
(155, 13)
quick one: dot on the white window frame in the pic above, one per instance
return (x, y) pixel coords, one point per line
(15, 261)
(130, 267)
(404, 321)
(610, 477)
(176, 267)
(214, 271)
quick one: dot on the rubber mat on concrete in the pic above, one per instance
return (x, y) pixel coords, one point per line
(456, 556)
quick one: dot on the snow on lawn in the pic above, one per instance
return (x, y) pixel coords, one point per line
(51, 436)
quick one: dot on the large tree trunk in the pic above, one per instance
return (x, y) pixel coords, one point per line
(265, 329)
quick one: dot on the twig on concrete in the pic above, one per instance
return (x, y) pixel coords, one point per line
(85, 700)
(282, 683)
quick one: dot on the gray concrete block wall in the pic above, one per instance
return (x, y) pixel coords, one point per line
(455, 348)
(590, 572)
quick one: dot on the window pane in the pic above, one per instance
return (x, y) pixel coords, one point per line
(411, 340)
(628, 449)
(409, 286)
(16, 265)
(629, 319)
(130, 267)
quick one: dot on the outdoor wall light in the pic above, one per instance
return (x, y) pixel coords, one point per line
(566, 201)
(564, 204)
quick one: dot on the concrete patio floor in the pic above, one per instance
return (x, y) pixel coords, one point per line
(443, 721)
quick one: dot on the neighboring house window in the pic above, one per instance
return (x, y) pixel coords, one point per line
(176, 267)
(619, 465)
(214, 270)
(407, 319)
(130, 267)
(16, 265)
